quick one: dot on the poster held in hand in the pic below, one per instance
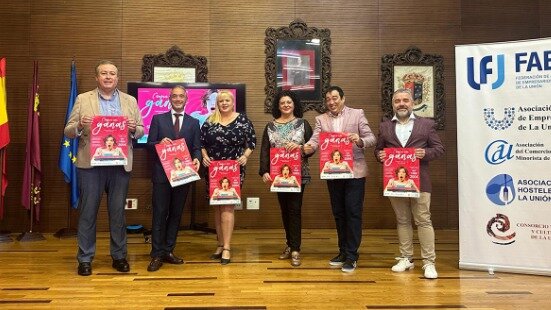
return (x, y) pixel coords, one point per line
(224, 182)
(285, 170)
(336, 156)
(109, 141)
(177, 162)
(401, 173)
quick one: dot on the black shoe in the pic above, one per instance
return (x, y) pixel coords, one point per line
(121, 265)
(172, 259)
(348, 265)
(215, 255)
(337, 260)
(225, 261)
(84, 269)
(155, 264)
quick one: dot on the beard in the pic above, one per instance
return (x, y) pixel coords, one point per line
(403, 114)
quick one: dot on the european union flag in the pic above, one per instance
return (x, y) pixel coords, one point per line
(69, 147)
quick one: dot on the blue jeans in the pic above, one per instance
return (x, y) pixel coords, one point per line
(347, 201)
(92, 183)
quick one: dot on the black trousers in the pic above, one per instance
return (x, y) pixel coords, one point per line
(291, 205)
(168, 206)
(347, 202)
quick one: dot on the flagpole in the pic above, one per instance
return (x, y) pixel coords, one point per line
(66, 158)
(67, 232)
(31, 235)
(4, 236)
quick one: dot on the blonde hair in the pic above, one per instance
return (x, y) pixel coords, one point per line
(216, 117)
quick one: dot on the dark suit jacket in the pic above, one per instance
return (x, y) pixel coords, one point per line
(422, 136)
(162, 127)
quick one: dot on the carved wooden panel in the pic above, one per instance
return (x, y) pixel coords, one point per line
(174, 57)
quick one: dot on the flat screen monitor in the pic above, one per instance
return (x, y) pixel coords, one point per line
(153, 98)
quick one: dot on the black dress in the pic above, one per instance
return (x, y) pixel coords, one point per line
(230, 141)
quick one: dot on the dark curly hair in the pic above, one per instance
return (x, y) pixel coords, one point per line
(297, 111)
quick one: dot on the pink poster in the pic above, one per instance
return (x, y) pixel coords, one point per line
(401, 173)
(201, 103)
(108, 141)
(177, 162)
(336, 157)
(285, 170)
(224, 182)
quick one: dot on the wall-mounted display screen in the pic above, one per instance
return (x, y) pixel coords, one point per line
(153, 98)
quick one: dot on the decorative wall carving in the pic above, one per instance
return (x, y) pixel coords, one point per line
(174, 57)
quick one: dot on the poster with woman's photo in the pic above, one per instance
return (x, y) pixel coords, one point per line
(177, 162)
(336, 157)
(108, 141)
(285, 170)
(401, 173)
(224, 182)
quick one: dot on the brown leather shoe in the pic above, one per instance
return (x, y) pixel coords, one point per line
(155, 264)
(121, 265)
(172, 259)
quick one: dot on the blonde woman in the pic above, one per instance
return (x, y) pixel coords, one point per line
(226, 134)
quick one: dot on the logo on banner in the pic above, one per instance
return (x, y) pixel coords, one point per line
(498, 151)
(499, 124)
(485, 70)
(499, 228)
(501, 190)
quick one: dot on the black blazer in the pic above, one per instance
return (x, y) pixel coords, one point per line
(162, 127)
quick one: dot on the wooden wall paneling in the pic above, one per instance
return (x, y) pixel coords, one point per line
(488, 21)
(545, 23)
(418, 14)
(232, 38)
(152, 27)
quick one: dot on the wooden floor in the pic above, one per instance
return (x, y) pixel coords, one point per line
(42, 275)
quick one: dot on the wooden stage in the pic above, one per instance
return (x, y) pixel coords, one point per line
(42, 275)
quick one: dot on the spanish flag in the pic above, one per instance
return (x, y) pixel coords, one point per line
(4, 134)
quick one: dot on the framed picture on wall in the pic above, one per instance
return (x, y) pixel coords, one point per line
(298, 58)
(420, 81)
(423, 75)
(298, 67)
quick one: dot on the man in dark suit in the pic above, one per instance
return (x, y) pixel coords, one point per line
(408, 131)
(347, 195)
(168, 202)
(105, 100)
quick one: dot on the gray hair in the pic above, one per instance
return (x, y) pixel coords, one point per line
(402, 91)
(105, 62)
